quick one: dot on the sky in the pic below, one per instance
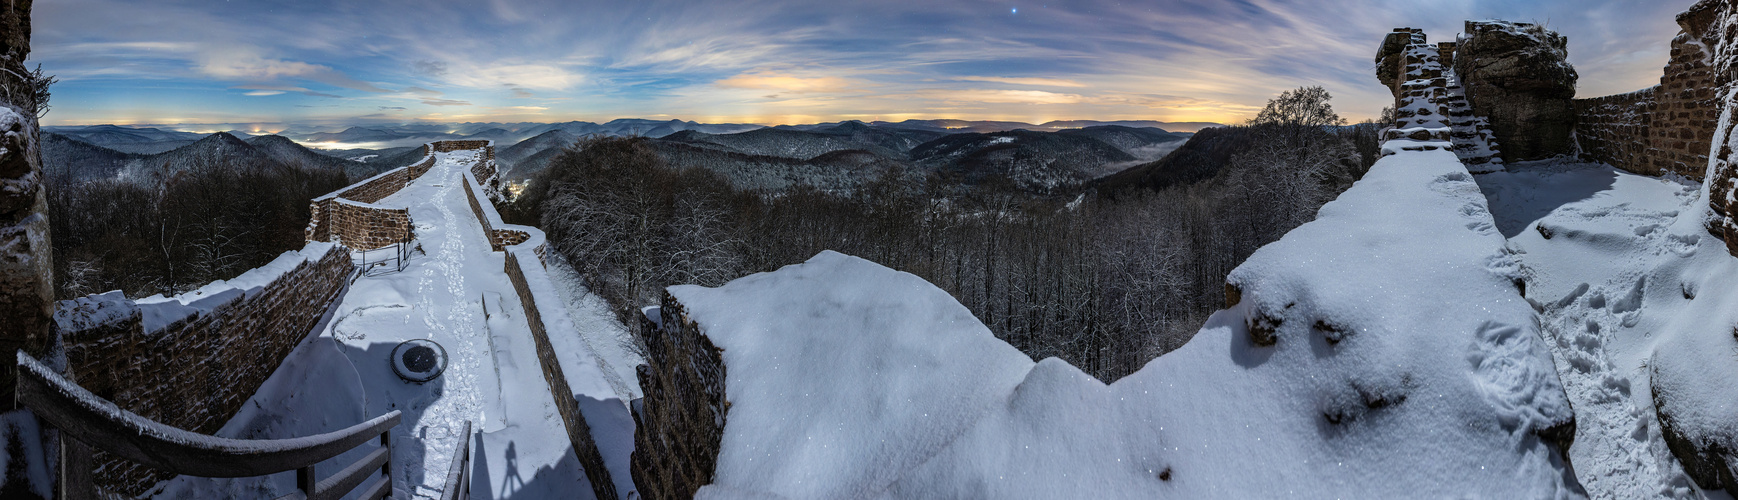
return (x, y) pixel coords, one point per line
(269, 64)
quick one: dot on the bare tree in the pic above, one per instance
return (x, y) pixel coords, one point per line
(1306, 106)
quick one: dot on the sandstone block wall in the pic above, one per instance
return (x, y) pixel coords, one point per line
(1664, 129)
(348, 216)
(191, 361)
(1686, 109)
(449, 146)
(358, 226)
(578, 431)
(679, 424)
(1672, 128)
(1615, 129)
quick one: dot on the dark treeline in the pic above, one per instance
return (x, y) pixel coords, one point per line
(178, 229)
(1104, 282)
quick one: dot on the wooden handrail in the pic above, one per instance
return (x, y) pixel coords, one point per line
(91, 421)
(458, 485)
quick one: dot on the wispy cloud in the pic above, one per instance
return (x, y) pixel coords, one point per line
(1033, 82)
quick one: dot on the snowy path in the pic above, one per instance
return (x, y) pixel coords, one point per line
(454, 291)
(1590, 237)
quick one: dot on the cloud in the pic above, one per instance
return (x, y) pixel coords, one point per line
(244, 66)
(1036, 82)
(445, 102)
(494, 75)
(262, 90)
(279, 89)
(786, 83)
(429, 67)
(789, 59)
(1004, 96)
(385, 108)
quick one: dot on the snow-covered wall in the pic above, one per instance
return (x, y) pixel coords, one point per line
(349, 216)
(191, 361)
(680, 423)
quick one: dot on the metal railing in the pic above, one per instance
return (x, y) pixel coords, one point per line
(391, 258)
(86, 421)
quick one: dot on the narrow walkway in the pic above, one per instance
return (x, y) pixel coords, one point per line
(453, 291)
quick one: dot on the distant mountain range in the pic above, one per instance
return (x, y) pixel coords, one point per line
(1042, 158)
(157, 139)
(72, 156)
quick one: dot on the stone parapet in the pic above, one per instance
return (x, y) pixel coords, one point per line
(191, 361)
(348, 216)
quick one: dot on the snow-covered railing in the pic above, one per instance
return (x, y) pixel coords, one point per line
(86, 421)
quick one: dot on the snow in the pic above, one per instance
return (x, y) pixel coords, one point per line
(14, 125)
(158, 311)
(456, 293)
(1630, 287)
(847, 379)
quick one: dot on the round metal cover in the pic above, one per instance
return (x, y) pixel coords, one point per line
(419, 360)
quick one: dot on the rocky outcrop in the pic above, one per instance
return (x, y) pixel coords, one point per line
(26, 271)
(1704, 444)
(679, 425)
(1710, 31)
(1518, 75)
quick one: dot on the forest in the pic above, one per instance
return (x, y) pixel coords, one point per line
(1106, 278)
(179, 228)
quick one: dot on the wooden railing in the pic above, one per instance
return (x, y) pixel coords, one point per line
(458, 485)
(86, 421)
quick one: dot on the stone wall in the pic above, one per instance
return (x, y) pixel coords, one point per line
(679, 424)
(1686, 108)
(192, 360)
(1615, 129)
(1673, 127)
(1664, 129)
(360, 226)
(450, 146)
(348, 215)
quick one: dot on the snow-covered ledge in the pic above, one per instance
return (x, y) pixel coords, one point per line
(1382, 350)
